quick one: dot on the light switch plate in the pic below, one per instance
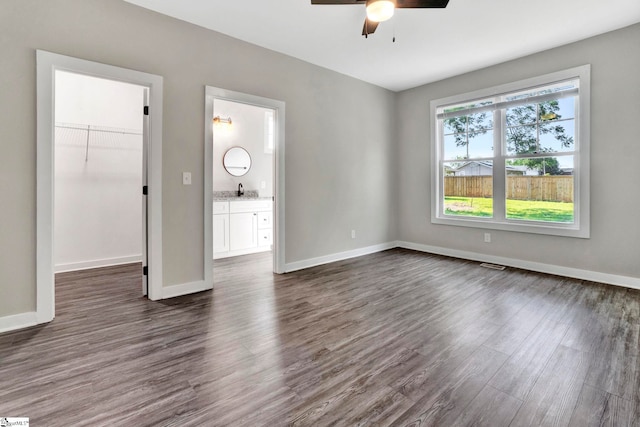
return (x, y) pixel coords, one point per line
(186, 178)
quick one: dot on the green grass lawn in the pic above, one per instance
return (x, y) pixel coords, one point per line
(516, 209)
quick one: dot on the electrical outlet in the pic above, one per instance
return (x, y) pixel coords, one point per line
(263, 184)
(186, 178)
(353, 234)
(487, 237)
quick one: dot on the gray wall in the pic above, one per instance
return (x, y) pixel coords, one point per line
(614, 246)
(339, 155)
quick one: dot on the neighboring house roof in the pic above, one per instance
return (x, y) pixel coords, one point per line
(519, 168)
(567, 171)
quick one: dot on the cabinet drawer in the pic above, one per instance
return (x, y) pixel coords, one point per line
(220, 207)
(264, 220)
(265, 237)
(249, 206)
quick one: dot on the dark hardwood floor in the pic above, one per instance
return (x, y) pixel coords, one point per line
(395, 338)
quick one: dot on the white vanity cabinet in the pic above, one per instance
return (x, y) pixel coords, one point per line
(220, 227)
(248, 228)
(244, 229)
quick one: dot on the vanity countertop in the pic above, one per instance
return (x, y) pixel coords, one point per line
(238, 199)
(224, 196)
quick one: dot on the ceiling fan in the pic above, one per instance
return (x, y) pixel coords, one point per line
(381, 10)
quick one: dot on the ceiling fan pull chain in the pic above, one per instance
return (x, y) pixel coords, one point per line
(394, 30)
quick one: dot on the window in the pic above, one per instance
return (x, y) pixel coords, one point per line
(515, 157)
(269, 131)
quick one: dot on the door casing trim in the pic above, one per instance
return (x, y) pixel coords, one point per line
(47, 63)
(211, 94)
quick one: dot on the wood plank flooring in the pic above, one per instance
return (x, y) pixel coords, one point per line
(397, 338)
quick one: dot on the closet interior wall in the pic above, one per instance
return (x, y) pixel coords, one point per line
(98, 172)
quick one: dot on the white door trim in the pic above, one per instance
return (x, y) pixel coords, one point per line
(212, 93)
(145, 183)
(47, 64)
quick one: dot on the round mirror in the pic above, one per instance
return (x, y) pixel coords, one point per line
(237, 161)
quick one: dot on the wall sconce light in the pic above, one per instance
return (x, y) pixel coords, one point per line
(218, 120)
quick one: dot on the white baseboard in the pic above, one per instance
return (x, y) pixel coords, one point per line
(18, 321)
(95, 263)
(312, 262)
(185, 289)
(576, 273)
(24, 320)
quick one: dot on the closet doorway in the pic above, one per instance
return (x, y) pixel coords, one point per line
(99, 173)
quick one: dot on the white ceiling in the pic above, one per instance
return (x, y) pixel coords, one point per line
(431, 44)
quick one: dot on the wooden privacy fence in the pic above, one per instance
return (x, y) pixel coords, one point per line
(547, 188)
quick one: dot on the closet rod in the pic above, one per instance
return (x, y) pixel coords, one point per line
(89, 128)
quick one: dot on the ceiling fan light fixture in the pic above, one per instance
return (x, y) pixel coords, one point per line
(380, 10)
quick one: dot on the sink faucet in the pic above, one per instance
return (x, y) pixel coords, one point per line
(240, 190)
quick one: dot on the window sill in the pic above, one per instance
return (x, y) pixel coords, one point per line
(551, 229)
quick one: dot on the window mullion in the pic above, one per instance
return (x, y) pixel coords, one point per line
(440, 180)
(466, 135)
(537, 128)
(499, 179)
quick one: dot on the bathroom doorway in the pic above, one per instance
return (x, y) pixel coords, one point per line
(245, 196)
(243, 140)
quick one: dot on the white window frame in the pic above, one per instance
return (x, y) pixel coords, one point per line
(581, 226)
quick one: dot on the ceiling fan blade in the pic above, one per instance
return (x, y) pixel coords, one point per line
(337, 1)
(415, 4)
(399, 3)
(369, 27)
